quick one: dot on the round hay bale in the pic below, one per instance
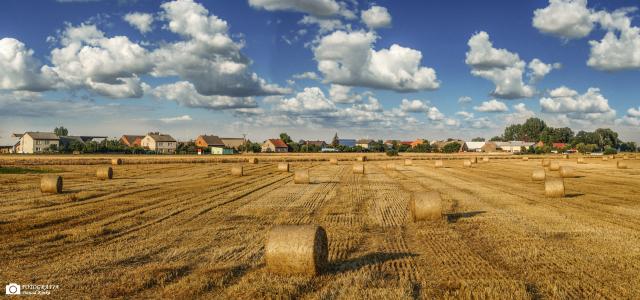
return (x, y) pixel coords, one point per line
(358, 169)
(554, 187)
(581, 160)
(51, 184)
(474, 160)
(408, 162)
(625, 157)
(621, 164)
(116, 161)
(361, 158)
(545, 162)
(301, 177)
(467, 164)
(439, 164)
(104, 173)
(554, 166)
(426, 206)
(566, 156)
(333, 161)
(283, 167)
(485, 159)
(237, 171)
(526, 158)
(604, 158)
(567, 172)
(253, 160)
(296, 249)
(538, 175)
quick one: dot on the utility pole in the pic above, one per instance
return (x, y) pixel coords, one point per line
(244, 142)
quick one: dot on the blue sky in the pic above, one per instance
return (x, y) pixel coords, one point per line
(383, 69)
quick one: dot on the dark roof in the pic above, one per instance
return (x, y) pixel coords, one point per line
(130, 138)
(364, 141)
(212, 140)
(162, 137)
(42, 135)
(69, 139)
(278, 143)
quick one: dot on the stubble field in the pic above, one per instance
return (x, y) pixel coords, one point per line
(181, 229)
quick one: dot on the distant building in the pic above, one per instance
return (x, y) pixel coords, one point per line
(513, 146)
(233, 143)
(559, 146)
(329, 150)
(319, 144)
(489, 147)
(440, 144)
(6, 149)
(347, 142)
(473, 146)
(160, 143)
(206, 141)
(417, 142)
(36, 142)
(275, 145)
(364, 143)
(132, 140)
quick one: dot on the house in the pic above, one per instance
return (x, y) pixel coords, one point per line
(66, 141)
(473, 146)
(559, 146)
(389, 143)
(319, 144)
(36, 142)
(233, 143)
(206, 141)
(275, 145)
(513, 146)
(417, 142)
(160, 143)
(132, 140)
(347, 142)
(364, 143)
(539, 144)
(406, 143)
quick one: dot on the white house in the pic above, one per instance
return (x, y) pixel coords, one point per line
(513, 146)
(473, 146)
(36, 142)
(161, 143)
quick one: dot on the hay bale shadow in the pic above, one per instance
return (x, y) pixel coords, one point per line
(573, 195)
(454, 217)
(353, 264)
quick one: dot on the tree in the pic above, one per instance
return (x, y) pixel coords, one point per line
(451, 147)
(61, 131)
(285, 138)
(496, 139)
(478, 139)
(336, 141)
(607, 137)
(531, 130)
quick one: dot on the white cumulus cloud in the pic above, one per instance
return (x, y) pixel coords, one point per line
(492, 106)
(141, 21)
(185, 94)
(590, 105)
(569, 19)
(19, 70)
(376, 17)
(176, 119)
(347, 58)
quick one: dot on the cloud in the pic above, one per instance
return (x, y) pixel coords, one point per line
(465, 115)
(434, 114)
(183, 118)
(632, 118)
(376, 17)
(414, 106)
(568, 19)
(208, 57)
(619, 49)
(19, 69)
(538, 69)
(108, 66)
(324, 25)
(140, 21)
(323, 8)
(465, 100)
(347, 58)
(590, 105)
(491, 106)
(503, 68)
(307, 75)
(33, 105)
(310, 100)
(342, 94)
(184, 93)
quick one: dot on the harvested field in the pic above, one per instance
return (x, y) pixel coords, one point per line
(189, 229)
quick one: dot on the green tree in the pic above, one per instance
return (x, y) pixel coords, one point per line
(478, 139)
(497, 139)
(285, 138)
(451, 147)
(61, 131)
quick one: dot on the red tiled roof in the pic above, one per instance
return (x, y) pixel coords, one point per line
(278, 143)
(559, 145)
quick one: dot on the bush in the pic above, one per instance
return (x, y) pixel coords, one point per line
(609, 151)
(451, 147)
(392, 152)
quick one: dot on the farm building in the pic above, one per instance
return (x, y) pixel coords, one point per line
(417, 142)
(221, 151)
(233, 143)
(131, 140)
(274, 145)
(513, 146)
(364, 143)
(36, 142)
(206, 141)
(6, 149)
(489, 147)
(473, 146)
(319, 144)
(347, 142)
(161, 143)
